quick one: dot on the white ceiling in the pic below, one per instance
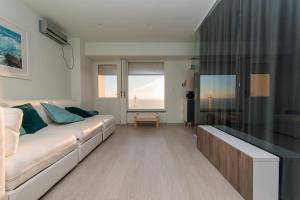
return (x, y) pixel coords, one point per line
(125, 20)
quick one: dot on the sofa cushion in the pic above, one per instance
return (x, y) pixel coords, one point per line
(108, 120)
(39, 108)
(22, 131)
(35, 103)
(79, 111)
(12, 123)
(89, 128)
(59, 115)
(36, 152)
(66, 103)
(93, 112)
(83, 130)
(32, 122)
(86, 129)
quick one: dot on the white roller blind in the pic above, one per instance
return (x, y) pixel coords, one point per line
(107, 69)
(145, 68)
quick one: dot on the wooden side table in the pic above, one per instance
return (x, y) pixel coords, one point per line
(146, 117)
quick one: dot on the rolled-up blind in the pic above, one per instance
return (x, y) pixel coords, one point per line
(145, 68)
(107, 69)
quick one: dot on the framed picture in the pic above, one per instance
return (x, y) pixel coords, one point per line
(13, 51)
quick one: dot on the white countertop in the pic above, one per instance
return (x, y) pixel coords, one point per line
(256, 153)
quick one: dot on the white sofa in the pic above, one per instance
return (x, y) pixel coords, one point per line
(48, 155)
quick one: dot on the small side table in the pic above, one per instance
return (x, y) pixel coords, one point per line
(146, 117)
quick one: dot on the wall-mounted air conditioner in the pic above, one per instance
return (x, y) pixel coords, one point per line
(50, 30)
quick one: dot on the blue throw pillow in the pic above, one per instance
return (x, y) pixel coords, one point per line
(80, 112)
(93, 112)
(32, 121)
(60, 115)
(22, 131)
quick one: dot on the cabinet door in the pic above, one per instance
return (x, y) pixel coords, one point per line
(232, 168)
(215, 151)
(223, 148)
(203, 142)
(246, 176)
(200, 139)
(233, 164)
(206, 148)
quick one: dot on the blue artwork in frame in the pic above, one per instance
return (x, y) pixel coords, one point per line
(13, 51)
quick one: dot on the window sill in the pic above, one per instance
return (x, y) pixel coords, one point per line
(107, 98)
(143, 110)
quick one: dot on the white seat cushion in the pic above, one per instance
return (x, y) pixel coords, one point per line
(36, 152)
(83, 130)
(108, 120)
(90, 127)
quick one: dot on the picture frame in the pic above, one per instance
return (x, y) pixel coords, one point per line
(14, 59)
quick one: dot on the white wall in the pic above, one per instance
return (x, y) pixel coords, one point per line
(76, 71)
(175, 74)
(140, 49)
(50, 78)
(81, 75)
(87, 93)
(176, 71)
(175, 56)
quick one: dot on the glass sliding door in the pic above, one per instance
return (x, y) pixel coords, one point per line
(249, 78)
(219, 74)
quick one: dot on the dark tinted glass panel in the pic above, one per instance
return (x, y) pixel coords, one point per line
(248, 79)
(217, 93)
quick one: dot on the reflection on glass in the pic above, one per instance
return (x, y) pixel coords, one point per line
(217, 92)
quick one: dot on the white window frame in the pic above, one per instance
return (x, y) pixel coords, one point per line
(112, 98)
(127, 93)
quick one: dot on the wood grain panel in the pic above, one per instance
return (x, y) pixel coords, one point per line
(232, 169)
(199, 139)
(223, 159)
(214, 148)
(204, 143)
(246, 176)
(233, 164)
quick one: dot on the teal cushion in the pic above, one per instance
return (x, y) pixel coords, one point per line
(94, 112)
(60, 115)
(80, 112)
(22, 131)
(32, 122)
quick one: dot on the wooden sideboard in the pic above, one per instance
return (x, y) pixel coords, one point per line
(241, 163)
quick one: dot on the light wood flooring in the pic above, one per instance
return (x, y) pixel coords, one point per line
(145, 164)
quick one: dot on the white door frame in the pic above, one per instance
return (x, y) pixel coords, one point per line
(111, 106)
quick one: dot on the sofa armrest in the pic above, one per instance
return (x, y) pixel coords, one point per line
(2, 156)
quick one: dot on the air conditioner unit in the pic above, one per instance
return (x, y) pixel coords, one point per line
(50, 30)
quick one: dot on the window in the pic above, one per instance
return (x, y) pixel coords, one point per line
(107, 81)
(146, 86)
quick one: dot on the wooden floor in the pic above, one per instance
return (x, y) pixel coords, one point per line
(145, 164)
